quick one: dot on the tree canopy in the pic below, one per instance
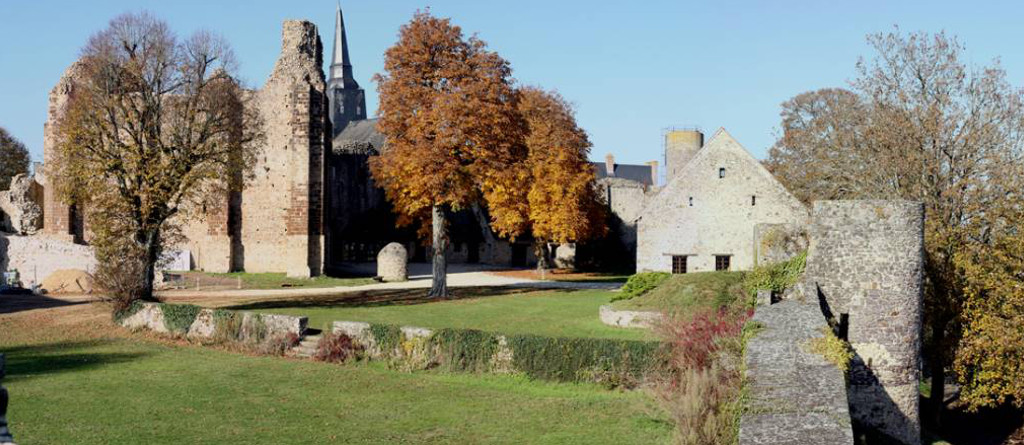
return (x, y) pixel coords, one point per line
(919, 124)
(14, 158)
(447, 108)
(156, 126)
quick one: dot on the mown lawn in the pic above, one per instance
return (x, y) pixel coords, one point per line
(686, 292)
(553, 313)
(210, 281)
(93, 384)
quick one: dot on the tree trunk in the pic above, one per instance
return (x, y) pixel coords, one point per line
(540, 248)
(439, 287)
(938, 372)
(151, 245)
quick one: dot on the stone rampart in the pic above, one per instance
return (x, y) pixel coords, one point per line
(865, 266)
(151, 316)
(795, 396)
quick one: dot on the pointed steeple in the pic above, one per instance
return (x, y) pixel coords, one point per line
(347, 100)
(341, 67)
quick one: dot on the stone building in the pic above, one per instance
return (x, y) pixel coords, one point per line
(706, 216)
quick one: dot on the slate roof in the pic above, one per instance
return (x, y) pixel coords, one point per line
(359, 134)
(638, 173)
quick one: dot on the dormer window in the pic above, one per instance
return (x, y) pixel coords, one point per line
(721, 172)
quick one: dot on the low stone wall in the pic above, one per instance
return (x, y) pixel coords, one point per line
(38, 256)
(795, 396)
(628, 319)
(151, 316)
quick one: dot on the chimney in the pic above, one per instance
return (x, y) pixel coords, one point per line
(609, 165)
(654, 173)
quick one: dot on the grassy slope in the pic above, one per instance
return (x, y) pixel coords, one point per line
(551, 313)
(686, 291)
(73, 385)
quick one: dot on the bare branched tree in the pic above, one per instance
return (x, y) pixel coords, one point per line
(155, 126)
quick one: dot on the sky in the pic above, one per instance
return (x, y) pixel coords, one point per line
(631, 68)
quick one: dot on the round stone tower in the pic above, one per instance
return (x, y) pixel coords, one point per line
(680, 146)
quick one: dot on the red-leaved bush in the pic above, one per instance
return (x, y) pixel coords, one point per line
(337, 348)
(700, 387)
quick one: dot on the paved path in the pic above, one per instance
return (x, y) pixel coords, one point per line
(457, 277)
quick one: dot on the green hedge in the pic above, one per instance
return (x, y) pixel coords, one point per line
(464, 349)
(640, 284)
(583, 359)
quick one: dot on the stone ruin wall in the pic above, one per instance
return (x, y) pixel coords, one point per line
(866, 260)
(57, 216)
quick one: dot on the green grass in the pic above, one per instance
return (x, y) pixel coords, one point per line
(120, 391)
(684, 292)
(270, 280)
(547, 313)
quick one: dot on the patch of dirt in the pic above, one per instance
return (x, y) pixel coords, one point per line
(553, 275)
(69, 281)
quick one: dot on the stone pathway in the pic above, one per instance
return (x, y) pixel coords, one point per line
(459, 277)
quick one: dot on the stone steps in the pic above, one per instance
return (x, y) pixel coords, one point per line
(306, 347)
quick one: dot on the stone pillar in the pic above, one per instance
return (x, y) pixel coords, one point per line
(282, 207)
(866, 260)
(392, 263)
(57, 215)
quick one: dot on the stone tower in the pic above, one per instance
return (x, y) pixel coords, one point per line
(348, 101)
(680, 147)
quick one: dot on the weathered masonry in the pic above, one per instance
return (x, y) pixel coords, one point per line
(707, 215)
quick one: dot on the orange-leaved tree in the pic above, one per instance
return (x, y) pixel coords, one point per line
(563, 202)
(447, 109)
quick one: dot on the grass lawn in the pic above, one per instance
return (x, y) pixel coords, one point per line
(556, 313)
(685, 292)
(217, 281)
(91, 383)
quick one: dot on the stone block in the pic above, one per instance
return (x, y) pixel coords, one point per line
(392, 263)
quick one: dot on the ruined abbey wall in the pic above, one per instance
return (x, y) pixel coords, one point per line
(866, 260)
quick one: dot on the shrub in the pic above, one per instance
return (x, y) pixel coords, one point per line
(227, 325)
(582, 359)
(279, 343)
(640, 284)
(179, 317)
(834, 349)
(337, 348)
(388, 337)
(127, 311)
(465, 349)
(701, 383)
(776, 277)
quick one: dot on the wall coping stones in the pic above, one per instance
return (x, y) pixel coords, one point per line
(795, 396)
(628, 319)
(150, 316)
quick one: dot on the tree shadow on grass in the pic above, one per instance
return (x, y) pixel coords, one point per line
(54, 358)
(390, 297)
(10, 304)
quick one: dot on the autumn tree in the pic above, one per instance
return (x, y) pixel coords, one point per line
(447, 108)
(919, 124)
(154, 125)
(562, 198)
(14, 158)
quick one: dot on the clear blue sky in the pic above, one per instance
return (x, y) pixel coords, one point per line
(631, 68)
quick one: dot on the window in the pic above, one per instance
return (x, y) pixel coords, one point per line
(753, 200)
(678, 263)
(722, 262)
(691, 201)
(721, 172)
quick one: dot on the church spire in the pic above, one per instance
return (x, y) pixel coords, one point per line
(347, 100)
(341, 67)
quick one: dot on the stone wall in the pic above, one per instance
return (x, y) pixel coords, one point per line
(57, 215)
(775, 243)
(723, 215)
(625, 199)
(795, 397)
(38, 256)
(866, 261)
(151, 316)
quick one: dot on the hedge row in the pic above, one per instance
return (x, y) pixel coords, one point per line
(607, 361)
